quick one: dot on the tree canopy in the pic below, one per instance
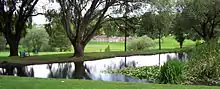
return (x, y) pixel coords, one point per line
(14, 18)
(201, 17)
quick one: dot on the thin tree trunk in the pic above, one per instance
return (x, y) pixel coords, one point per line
(159, 44)
(159, 40)
(78, 50)
(181, 44)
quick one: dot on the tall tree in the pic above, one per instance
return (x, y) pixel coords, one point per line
(202, 17)
(14, 15)
(86, 17)
(155, 25)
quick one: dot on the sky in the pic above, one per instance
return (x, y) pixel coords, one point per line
(41, 7)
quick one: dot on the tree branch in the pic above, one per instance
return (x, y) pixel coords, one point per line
(37, 14)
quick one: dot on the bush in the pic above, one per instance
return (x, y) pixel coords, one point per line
(107, 49)
(172, 72)
(204, 63)
(140, 43)
(35, 38)
(48, 48)
(151, 72)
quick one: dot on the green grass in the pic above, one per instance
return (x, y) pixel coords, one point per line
(170, 43)
(101, 46)
(167, 43)
(7, 82)
(65, 57)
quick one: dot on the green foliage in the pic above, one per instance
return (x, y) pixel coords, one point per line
(57, 35)
(107, 49)
(151, 72)
(35, 39)
(204, 62)
(2, 42)
(140, 43)
(172, 72)
(200, 18)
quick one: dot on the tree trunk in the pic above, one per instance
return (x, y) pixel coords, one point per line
(159, 44)
(13, 49)
(78, 50)
(181, 44)
(13, 44)
(159, 39)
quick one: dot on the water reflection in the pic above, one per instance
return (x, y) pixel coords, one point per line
(90, 69)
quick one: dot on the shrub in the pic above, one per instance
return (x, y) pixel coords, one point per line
(48, 48)
(107, 49)
(140, 43)
(204, 62)
(35, 38)
(172, 72)
(146, 72)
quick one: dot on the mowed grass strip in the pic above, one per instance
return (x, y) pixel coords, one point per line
(8, 82)
(89, 56)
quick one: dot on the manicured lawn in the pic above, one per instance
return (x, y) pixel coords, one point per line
(7, 82)
(65, 57)
(167, 43)
(170, 43)
(101, 46)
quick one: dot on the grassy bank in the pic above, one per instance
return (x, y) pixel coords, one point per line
(66, 57)
(7, 82)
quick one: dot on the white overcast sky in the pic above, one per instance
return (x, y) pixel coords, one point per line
(43, 5)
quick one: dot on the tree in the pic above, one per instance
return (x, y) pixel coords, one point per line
(156, 22)
(56, 32)
(178, 31)
(155, 25)
(87, 17)
(36, 38)
(201, 17)
(14, 15)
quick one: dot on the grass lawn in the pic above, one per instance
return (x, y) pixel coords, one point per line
(167, 43)
(7, 82)
(170, 43)
(66, 57)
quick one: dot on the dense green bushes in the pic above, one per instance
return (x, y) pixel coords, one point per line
(35, 38)
(140, 43)
(140, 72)
(204, 63)
(172, 72)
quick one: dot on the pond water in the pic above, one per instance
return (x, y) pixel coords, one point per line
(93, 70)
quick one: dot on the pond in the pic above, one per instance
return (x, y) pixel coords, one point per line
(93, 70)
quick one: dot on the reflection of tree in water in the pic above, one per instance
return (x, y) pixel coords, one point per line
(19, 70)
(30, 73)
(81, 71)
(121, 65)
(63, 70)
